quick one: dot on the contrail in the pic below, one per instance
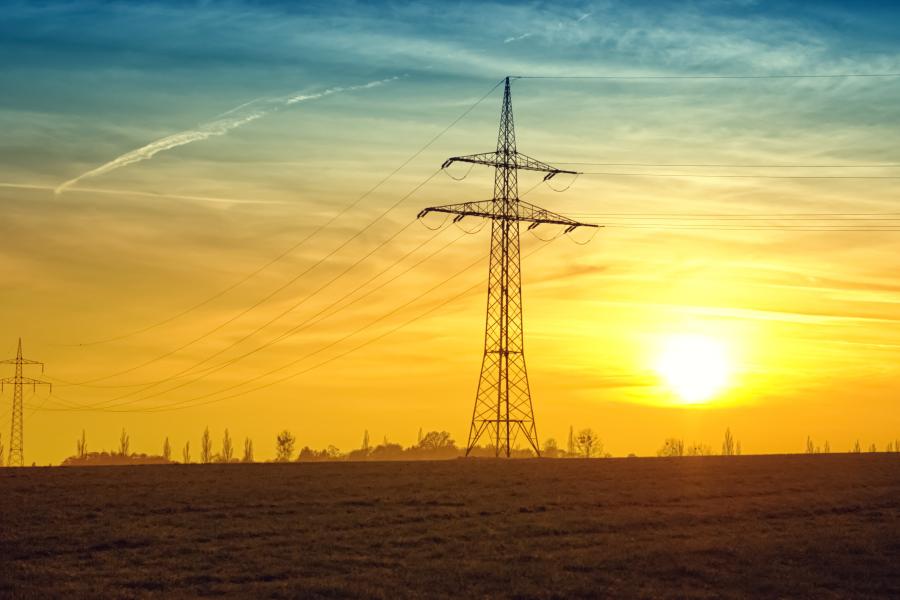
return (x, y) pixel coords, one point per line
(212, 199)
(232, 119)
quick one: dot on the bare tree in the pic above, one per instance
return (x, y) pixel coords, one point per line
(124, 443)
(570, 444)
(697, 449)
(167, 450)
(248, 451)
(810, 448)
(436, 440)
(827, 448)
(872, 448)
(418, 439)
(81, 446)
(856, 448)
(366, 448)
(890, 447)
(737, 448)
(284, 446)
(205, 447)
(671, 447)
(588, 444)
(728, 443)
(186, 453)
(227, 447)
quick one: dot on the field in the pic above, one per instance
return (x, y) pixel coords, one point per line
(825, 526)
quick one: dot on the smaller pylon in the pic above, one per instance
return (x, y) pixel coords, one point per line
(16, 436)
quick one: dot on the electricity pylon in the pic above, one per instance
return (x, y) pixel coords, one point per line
(503, 406)
(16, 437)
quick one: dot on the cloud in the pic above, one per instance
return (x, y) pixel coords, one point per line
(232, 119)
(516, 38)
(115, 192)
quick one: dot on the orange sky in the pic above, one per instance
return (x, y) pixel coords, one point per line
(810, 315)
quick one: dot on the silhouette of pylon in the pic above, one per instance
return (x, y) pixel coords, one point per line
(17, 435)
(503, 406)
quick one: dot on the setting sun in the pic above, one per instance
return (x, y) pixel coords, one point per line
(695, 367)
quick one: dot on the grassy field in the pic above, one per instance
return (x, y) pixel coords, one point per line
(825, 526)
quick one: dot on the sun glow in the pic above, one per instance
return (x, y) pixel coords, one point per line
(695, 367)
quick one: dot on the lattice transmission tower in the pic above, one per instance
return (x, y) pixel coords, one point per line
(503, 406)
(16, 437)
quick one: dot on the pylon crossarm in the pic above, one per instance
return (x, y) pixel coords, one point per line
(23, 381)
(24, 361)
(537, 216)
(526, 213)
(480, 208)
(508, 161)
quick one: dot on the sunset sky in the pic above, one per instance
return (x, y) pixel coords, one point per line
(264, 120)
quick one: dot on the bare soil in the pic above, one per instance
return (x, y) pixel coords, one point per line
(825, 526)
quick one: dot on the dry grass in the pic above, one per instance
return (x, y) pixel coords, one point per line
(821, 527)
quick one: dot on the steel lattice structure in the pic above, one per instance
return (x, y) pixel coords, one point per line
(503, 406)
(17, 438)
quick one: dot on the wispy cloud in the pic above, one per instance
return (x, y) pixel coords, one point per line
(116, 192)
(232, 119)
(517, 38)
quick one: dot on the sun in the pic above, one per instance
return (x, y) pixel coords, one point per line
(696, 367)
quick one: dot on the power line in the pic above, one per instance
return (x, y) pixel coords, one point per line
(308, 322)
(297, 245)
(267, 297)
(381, 336)
(748, 228)
(735, 175)
(735, 165)
(700, 77)
(321, 349)
(736, 215)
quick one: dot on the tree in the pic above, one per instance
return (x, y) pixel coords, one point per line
(872, 448)
(728, 448)
(186, 453)
(205, 447)
(81, 446)
(284, 446)
(856, 448)
(697, 449)
(551, 449)
(248, 451)
(1, 450)
(890, 447)
(167, 450)
(365, 443)
(810, 449)
(227, 447)
(387, 452)
(570, 446)
(436, 440)
(307, 453)
(124, 443)
(588, 444)
(827, 448)
(671, 447)
(418, 439)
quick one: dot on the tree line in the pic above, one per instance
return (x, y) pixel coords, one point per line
(432, 445)
(856, 448)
